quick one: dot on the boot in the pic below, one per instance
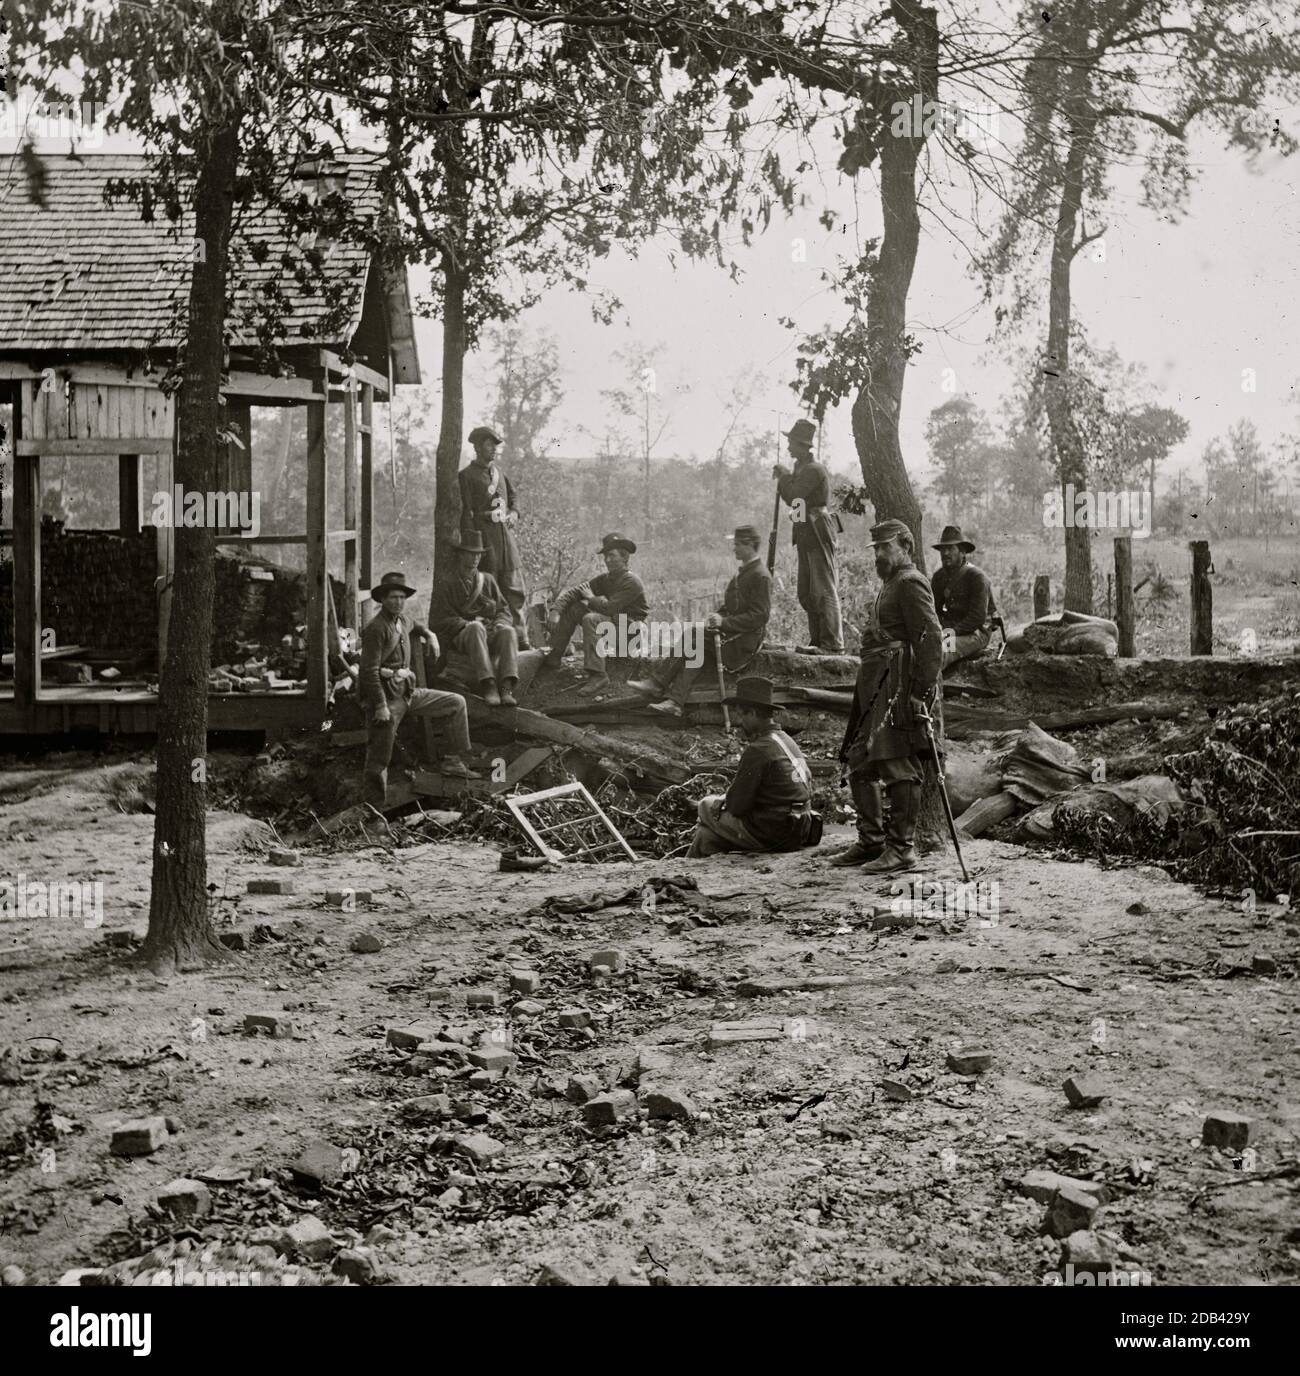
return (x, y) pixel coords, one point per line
(456, 768)
(374, 788)
(507, 691)
(871, 823)
(904, 809)
(488, 692)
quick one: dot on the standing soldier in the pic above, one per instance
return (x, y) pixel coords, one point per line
(885, 744)
(487, 504)
(808, 491)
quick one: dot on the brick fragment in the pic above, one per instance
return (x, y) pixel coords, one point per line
(611, 957)
(1070, 1211)
(580, 1088)
(347, 898)
(281, 886)
(482, 998)
(527, 1008)
(663, 1101)
(408, 1038)
(525, 981)
(574, 1017)
(280, 856)
(969, 1060)
(615, 1107)
(273, 1024)
(428, 1108)
(1044, 1185)
(1263, 965)
(308, 1238)
(139, 1137)
(481, 1149)
(185, 1199)
(359, 1265)
(319, 1164)
(365, 944)
(1231, 1131)
(494, 1058)
(1084, 1091)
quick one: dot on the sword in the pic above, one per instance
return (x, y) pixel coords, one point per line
(722, 682)
(928, 728)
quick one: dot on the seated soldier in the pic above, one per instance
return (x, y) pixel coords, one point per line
(470, 613)
(738, 625)
(963, 598)
(769, 804)
(388, 691)
(615, 596)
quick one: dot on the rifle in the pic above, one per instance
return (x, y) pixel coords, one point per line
(928, 727)
(776, 514)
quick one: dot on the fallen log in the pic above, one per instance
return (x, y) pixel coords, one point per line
(985, 813)
(972, 719)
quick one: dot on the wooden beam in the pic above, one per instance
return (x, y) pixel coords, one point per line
(317, 487)
(1124, 613)
(351, 578)
(334, 364)
(1202, 599)
(261, 539)
(366, 509)
(66, 448)
(27, 565)
(237, 462)
(128, 494)
(256, 387)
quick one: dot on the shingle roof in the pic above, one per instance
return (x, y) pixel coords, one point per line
(82, 275)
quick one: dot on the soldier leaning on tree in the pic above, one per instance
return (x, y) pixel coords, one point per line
(807, 490)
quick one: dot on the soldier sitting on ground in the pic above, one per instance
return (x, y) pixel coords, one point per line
(769, 804)
(471, 615)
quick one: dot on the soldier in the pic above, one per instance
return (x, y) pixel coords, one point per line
(615, 596)
(808, 491)
(471, 614)
(963, 598)
(769, 804)
(902, 648)
(388, 690)
(487, 504)
(739, 625)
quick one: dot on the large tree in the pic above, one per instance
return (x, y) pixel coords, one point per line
(1110, 82)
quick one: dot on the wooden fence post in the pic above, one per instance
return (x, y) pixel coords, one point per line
(1042, 596)
(1124, 616)
(1202, 599)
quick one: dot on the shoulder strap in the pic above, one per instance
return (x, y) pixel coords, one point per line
(800, 766)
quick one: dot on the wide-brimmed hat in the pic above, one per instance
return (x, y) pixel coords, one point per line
(952, 536)
(803, 430)
(758, 692)
(470, 540)
(890, 530)
(484, 432)
(391, 582)
(749, 533)
(616, 541)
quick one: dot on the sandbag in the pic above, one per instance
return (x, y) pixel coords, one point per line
(1039, 766)
(1154, 796)
(1070, 633)
(970, 775)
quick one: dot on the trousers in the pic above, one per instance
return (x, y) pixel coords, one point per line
(818, 586)
(447, 709)
(571, 618)
(485, 652)
(964, 646)
(716, 830)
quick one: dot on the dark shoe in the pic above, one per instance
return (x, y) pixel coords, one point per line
(858, 854)
(892, 861)
(456, 768)
(490, 694)
(644, 687)
(666, 709)
(507, 690)
(596, 683)
(374, 793)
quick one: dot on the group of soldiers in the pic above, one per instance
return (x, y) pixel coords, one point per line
(918, 627)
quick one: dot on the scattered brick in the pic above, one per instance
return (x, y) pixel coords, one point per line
(462, 1033)
(558, 1275)
(1231, 1131)
(279, 856)
(481, 1149)
(347, 898)
(580, 1088)
(273, 1024)
(451, 1051)
(662, 1101)
(611, 957)
(482, 998)
(1087, 1252)
(428, 1108)
(240, 939)
(185, 1199)
(494, 1058)
(1084, 1091)
(319, 1164)
(365, 944)
(308, 1238)
(120, 940)
(969, 1060)
(527, 1008)
(139, 1137)
(898, 1090)
(359, 1265)
(1263, 965)
(1070, 1211)
(408, 1038)
(270, 886)
(1043, 1186)
(483, 1079)
(615, 1107)
(575, 1017)
(525, 981)
(650, 1061)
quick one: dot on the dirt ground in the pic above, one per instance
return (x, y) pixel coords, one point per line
(797, 1169)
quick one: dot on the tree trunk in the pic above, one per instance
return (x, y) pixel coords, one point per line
(180, 932)
(878, 405)
(1071, 461)
(451, 433)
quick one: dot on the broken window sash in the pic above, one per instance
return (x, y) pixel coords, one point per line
(568, 814)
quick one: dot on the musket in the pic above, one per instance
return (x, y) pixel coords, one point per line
(776, 512)
(722, 682)
(928, 727)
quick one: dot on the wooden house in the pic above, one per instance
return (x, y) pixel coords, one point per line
(89, 293)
